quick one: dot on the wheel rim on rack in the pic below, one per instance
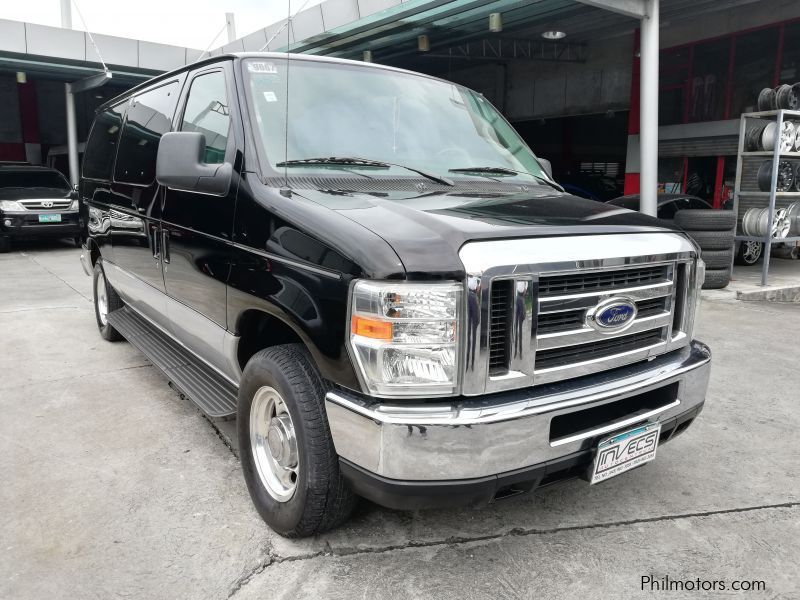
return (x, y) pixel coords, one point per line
(780, 224)
(786, 176)
(752, 252)
(768, 135)
(782, 96)
(753, 136)
(793, 216)
(788, 134)
(766, 99)
(750, 221)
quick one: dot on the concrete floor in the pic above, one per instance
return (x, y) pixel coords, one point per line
(115, 487)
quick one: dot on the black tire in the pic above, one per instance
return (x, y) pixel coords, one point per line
(717, 279)
(322, 498)
(713, 240)
(717, 259)
(747, 257)
(705, 220)
(77, 241)
(5, 244)
(113, 300)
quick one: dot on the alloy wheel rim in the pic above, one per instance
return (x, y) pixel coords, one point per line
(274, 444)
(102, 300)
(752, 252)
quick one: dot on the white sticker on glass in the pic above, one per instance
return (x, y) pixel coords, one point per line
(261, 67)
(270, 97)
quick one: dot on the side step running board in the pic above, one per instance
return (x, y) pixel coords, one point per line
(213, 394)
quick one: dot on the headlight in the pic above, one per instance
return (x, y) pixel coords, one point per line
(404, 337)
(74, 205)
(11, 206)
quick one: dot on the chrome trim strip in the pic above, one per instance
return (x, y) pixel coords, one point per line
(458, 414)
(657, 290)
(598, 364)
(586, 335)
(288, 261)
(612, 426)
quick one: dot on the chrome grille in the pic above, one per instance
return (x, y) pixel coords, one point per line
(577, 283)
(560, 357)
(61, 204)
(536, 298)
(499, 319)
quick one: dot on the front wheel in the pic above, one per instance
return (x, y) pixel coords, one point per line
(288, 458)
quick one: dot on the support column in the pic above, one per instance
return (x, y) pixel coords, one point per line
(66, 14)
(72, 135)
(648, 119)
(230, 25)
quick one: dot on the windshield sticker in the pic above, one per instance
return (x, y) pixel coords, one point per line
(270, 97)
(261, 67)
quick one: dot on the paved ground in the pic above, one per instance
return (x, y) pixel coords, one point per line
(112, 486)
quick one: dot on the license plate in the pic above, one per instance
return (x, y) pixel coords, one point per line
(624, 451)
(49, 218)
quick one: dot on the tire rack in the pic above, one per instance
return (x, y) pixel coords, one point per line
(750, 198)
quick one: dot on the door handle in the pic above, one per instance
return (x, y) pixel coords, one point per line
(156, 253)
(165, 245)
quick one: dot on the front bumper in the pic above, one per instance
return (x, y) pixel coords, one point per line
(26, 224)
(470, 449)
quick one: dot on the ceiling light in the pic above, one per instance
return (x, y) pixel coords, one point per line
(553, 34)
(367, 56)
(496, 22)
(423, 43)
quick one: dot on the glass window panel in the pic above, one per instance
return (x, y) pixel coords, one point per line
(149, 117)
(207, 113)
(101, 147)
(709, 77)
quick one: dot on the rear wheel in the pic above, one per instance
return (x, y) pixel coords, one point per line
(106, 300)
(288, 458)
(77, 241)
(5, 244)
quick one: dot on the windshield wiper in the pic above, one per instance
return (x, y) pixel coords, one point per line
(506, 171)
(354, 161)
(489, 170)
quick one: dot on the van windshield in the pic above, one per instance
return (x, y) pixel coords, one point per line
(380, 116)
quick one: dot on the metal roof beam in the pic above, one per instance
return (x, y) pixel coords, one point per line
(636, 9)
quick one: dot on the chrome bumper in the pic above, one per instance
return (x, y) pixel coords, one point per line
(86, 261)
(488, 435)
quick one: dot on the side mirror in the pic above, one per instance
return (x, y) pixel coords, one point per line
(546, 166)
(180, 166)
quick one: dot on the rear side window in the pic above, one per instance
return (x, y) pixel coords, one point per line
(101, 147)
(207, 113)
(149, 117)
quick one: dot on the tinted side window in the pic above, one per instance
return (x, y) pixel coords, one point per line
(207, 113)
(696, 204)
(668, 210)
(149, 117)
(101, 147)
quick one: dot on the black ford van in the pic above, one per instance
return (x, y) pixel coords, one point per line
(371, 271)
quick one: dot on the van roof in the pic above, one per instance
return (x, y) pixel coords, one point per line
(241, 55)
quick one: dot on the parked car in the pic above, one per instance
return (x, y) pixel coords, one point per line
(666, 204)
(593, 186)
(745, 253)
(36, 202)
(383, 286)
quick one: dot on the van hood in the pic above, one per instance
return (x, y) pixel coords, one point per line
(426, 230)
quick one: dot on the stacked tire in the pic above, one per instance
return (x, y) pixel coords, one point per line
(713, 231)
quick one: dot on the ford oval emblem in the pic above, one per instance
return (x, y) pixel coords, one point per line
(612, 315)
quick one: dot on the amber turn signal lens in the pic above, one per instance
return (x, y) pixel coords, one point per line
(371, 328)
